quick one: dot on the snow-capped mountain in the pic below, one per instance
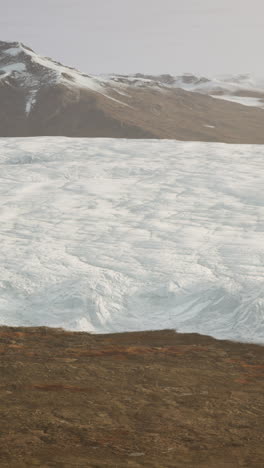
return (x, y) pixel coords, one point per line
(42, 97)
(226, 84)
(22, 67)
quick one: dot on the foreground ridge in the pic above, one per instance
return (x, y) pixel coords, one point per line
(147, 399)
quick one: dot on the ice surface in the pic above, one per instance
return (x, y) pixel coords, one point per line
(113, 235)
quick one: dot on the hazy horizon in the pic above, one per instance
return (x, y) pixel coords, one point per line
(144, 36)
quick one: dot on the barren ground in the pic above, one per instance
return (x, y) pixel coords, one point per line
(153, 399)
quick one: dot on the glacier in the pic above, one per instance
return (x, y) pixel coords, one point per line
(105, 235)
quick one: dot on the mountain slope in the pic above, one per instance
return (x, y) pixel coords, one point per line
(41, 97)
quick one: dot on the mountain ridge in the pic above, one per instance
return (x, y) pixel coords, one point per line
(42, 97)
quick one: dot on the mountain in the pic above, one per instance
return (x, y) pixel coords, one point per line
(39, 96)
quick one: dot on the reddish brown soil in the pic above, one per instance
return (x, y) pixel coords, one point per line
(154, 399)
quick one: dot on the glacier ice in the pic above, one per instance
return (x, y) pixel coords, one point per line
(107, 235)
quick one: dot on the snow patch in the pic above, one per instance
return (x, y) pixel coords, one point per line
(243, 100)
(13, 67)
(13, 51)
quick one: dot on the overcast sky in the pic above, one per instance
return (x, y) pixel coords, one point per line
(150, 36)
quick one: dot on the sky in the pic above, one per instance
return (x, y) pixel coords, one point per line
(207, 37)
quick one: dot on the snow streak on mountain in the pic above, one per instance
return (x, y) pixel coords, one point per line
(116, 235)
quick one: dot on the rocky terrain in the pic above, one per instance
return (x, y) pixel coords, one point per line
(42, 97)
(152, 399)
